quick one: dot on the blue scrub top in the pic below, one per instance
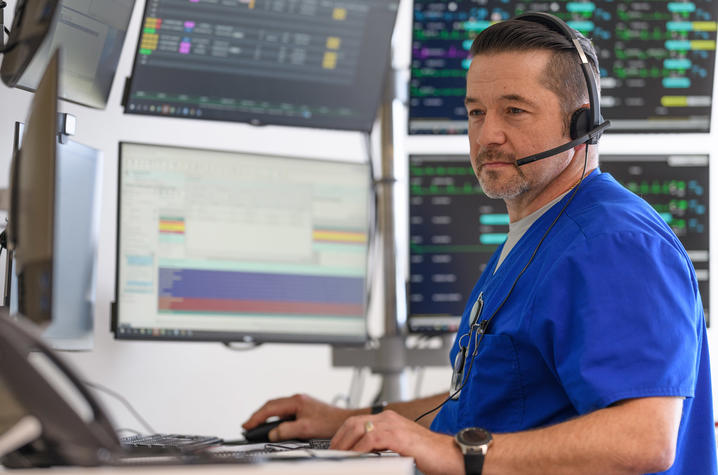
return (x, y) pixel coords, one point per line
(609, 309)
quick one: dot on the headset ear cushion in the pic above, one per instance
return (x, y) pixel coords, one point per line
(580, 123)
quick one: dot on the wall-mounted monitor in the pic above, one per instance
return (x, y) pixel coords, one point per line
(657, 60)
(31, 221)
(54, 225)
(299, 63)
(677, 186)
(454, 228)
(90, 34)
(229, 246)
(31, 23)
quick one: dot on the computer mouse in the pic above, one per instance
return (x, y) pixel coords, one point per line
(260, 433)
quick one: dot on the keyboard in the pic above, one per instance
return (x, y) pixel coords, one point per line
(170, 442)
(319, 444)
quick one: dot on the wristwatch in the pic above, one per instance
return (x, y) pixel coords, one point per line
(474, 443)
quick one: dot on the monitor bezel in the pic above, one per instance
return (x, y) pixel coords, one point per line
(235, 336)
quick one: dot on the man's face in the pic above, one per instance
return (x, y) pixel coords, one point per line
(511, 116)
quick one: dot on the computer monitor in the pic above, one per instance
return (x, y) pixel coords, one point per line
(677, 186)
(31, 223)
(300, 63)
(657, 62)
(230, 246)
(454, 228)
(91, 35)
(31, 24)
(54, 226)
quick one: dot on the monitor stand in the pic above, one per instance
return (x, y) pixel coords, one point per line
(390, 359)
(392, 356)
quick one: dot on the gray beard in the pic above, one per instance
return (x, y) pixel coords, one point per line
(489, 179)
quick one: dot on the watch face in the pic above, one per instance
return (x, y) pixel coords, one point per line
(474, 436)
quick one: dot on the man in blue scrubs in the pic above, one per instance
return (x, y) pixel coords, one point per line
(589, 350)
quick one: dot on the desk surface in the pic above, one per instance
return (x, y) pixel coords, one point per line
(357, 466)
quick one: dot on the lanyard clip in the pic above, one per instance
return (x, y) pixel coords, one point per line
(481, 327)
(476, 311)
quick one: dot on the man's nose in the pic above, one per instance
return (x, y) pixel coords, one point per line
(491, 132)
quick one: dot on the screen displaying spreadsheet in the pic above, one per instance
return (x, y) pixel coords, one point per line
(229, 246)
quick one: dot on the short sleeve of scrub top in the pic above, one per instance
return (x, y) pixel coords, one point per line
(628, 336)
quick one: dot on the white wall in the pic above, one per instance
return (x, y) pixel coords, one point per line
(202, 387)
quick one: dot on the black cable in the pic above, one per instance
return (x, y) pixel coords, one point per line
(99, 387)
(488, 321)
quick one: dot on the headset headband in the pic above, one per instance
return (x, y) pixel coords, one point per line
(559, 26)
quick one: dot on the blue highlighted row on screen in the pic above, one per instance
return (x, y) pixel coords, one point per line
(494, 219)
(582, 26)
(476, 25)
(686, 7)
(679, 26)
(239, 293)
(677, 63)
(492, 238)
(575, 7)
(135, 260)
(210, 284)
(676, 82)
(678, 44)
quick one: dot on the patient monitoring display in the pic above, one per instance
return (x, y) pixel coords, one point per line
(454, 228)
(228, 246)
(301, 62)
(657, 59)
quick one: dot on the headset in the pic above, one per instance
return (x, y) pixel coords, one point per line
(587, 124)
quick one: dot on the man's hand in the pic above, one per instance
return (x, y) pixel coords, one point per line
(434, 453)
(314, 419)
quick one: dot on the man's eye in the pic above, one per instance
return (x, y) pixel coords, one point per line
(475, 112)
(515, 110)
